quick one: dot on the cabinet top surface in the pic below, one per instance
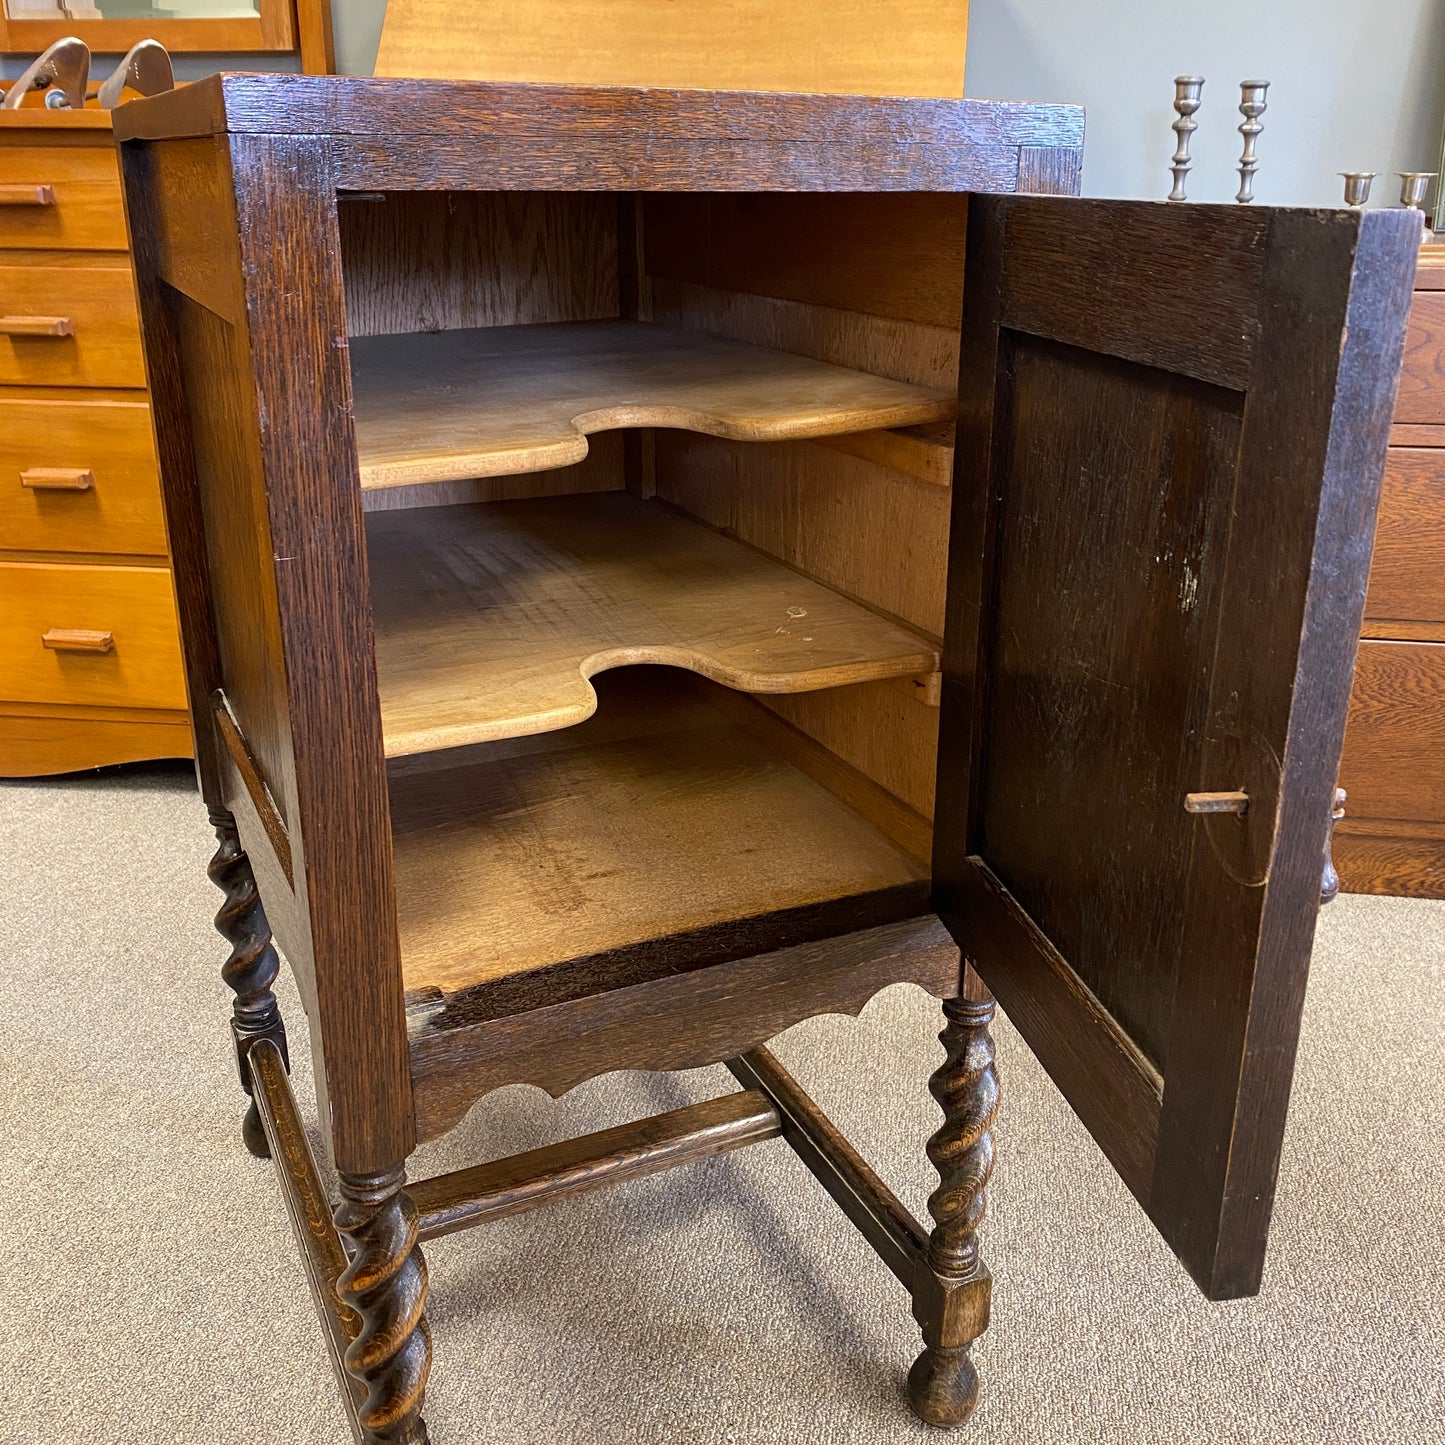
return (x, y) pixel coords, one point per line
(247, 103)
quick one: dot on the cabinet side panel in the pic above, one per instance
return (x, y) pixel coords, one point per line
(237, 543)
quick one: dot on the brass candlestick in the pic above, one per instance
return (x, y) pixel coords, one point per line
(1187, 93)
(1252, 105)
(1357, 187)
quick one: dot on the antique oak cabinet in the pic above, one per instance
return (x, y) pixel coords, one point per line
(603, 657)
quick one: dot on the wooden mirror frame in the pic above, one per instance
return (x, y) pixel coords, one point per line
(273, 29)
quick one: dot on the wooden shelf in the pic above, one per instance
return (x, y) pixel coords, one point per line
(656, 817)
(490, 618)
(452, 405)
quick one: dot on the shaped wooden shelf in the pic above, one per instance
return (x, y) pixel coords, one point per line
(656, 817)
(490, 618)
(451, 405)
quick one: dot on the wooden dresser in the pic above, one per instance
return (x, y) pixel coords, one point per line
(90, 663)
(1392, 838)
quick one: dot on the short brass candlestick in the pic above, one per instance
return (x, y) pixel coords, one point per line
(1357, 187)
(1414, 187)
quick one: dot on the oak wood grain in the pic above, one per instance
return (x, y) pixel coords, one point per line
(1422, 378)
(1204, 553)
(490, 620)
(896, 256)
(1407, 571)
(576, 1166)
(657, 817)
(37, 743)
(490, 402)
(696, 1015)
(841, 46)
(1396, 734)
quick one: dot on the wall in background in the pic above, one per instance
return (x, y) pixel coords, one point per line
(1355, 86)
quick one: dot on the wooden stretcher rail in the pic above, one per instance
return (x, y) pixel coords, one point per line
(576, 1166)
(896, 1237)
(310, 1210)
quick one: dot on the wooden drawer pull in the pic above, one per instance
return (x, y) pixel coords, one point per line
(77, 639)
(36, 326)
(27, 195)
(58, 479)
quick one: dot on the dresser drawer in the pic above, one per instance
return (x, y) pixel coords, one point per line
(1394, 759)
(1422, 379)
(103, 636)
(63, 196)
(78, 476)
(1407, 576)
(70, 321)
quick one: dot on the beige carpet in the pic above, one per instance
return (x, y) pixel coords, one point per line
(151, 1292)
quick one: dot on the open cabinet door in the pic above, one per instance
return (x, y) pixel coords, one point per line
(1172, 425)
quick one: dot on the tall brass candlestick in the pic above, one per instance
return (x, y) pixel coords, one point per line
(1187, 92)
(1252, 105)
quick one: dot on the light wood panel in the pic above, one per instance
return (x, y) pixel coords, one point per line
(906, 826)
(1405, 865)
(102, 346)
(272, 29)
(899, 256)
(437, 261)
(1421, 397)
(866, 512)
(655, 817)
(908, 351)
(924, 452)
(84, 209)
(909, 47)
(110, 441)
(482, 403)
(1407, 572)
(1396, 734)
(490, 620)
(40, 743)
(887, 730)
(873, 533)
(601, 470)
(135, 605)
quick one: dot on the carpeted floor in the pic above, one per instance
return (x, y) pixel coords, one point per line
(152, 1294)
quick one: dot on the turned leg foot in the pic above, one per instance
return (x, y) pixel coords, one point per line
(385, 1283)
(943, 1386)
(252, 967)
(951, 1298)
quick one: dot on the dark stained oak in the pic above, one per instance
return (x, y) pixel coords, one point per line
(1188, 475)
(252, 967)
(384, 1284)
(943, 1384)
(577, 1166)
(1171, 423)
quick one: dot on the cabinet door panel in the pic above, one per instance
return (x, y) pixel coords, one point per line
(1172, 427)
